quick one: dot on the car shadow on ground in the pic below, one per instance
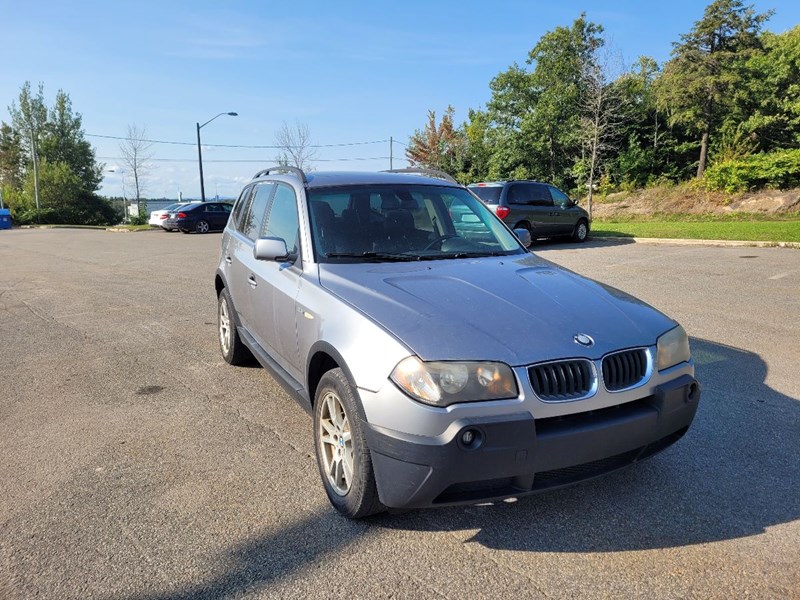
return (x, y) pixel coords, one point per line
(733, 475)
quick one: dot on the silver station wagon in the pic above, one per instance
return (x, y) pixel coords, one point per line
(443, 363)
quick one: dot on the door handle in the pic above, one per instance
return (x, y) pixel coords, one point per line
(228, 259)
(252, 280)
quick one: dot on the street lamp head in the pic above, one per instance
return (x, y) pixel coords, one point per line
(233, 114)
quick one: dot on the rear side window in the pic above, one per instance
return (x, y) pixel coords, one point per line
(254, 220)
(283, 221)
(488, 193)
(531, 194)
(240, 209)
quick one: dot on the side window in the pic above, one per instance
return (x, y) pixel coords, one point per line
(254, 220)
(559, 198)
(226, 208)
(283, 221)
(518, 193)
(539, 195)
(240, 208)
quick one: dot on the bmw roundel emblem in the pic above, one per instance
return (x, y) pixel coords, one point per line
(584, 340)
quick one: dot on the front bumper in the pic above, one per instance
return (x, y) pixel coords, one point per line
(516, 455)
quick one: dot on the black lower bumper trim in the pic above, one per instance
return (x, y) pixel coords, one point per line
(518, 455)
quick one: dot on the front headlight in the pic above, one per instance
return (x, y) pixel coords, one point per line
(444, 383)
(673, 348)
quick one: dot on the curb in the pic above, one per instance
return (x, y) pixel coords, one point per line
(125, 230)
(693, 242)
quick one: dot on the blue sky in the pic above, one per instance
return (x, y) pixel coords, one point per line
(352, 71)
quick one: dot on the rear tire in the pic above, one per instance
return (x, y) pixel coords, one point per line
(527, 226)
(581, 231)
(343, 457)
(230, 344)
(202, 227)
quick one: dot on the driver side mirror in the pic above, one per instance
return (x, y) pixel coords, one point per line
(270, 248)
(524, 237)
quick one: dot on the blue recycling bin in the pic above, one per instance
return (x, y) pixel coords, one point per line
(5, 218)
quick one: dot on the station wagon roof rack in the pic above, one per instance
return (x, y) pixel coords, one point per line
(286, 169)
(422, 171)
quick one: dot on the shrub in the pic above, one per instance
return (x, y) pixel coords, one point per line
(87, 209)
(779, 170)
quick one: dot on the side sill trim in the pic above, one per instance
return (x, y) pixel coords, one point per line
(293, 387)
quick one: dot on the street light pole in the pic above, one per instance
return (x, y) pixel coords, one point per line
(200, 151)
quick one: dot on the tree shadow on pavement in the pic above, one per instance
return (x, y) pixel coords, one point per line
(734, 474)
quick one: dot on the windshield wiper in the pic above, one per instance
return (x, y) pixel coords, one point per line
(374, 256)
(448, 255)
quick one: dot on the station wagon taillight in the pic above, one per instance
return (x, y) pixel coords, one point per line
(502, 211)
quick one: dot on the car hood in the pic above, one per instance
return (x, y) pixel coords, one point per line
(518, 310)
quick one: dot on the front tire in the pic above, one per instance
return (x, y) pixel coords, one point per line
(581, 231)
(343, 457)
(230, 344)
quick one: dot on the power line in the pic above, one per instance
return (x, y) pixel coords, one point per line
(253, 147)
(248, 160)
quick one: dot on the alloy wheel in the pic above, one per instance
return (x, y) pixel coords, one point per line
(336, 444)
(224, 326)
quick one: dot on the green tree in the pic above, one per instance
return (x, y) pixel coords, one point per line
(12, 159)
(698, 82)
(537, 112)
(768, 105)
(64, 142)
(651, 147)
(53, 139)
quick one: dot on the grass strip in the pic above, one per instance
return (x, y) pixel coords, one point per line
(750, 231)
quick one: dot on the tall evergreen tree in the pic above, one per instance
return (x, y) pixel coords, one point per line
(697, 83)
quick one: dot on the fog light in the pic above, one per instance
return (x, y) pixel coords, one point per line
(470, 439)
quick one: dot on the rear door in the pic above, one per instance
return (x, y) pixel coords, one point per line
(243, 264)
(531, 202)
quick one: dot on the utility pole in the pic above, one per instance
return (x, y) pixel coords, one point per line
(391, 147)
(35, 172)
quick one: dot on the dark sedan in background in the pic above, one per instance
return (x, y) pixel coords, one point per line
(201, 218)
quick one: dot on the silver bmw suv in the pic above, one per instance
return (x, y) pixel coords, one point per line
(442, 362)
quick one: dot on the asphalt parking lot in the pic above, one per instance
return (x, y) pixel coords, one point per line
(134, 463)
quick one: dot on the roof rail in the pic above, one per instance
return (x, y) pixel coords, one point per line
(421, 171)
(285, 168)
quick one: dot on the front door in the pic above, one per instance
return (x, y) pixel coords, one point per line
(275, 295)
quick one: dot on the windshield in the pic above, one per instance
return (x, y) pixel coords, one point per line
(488, 193)
(383, 223)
